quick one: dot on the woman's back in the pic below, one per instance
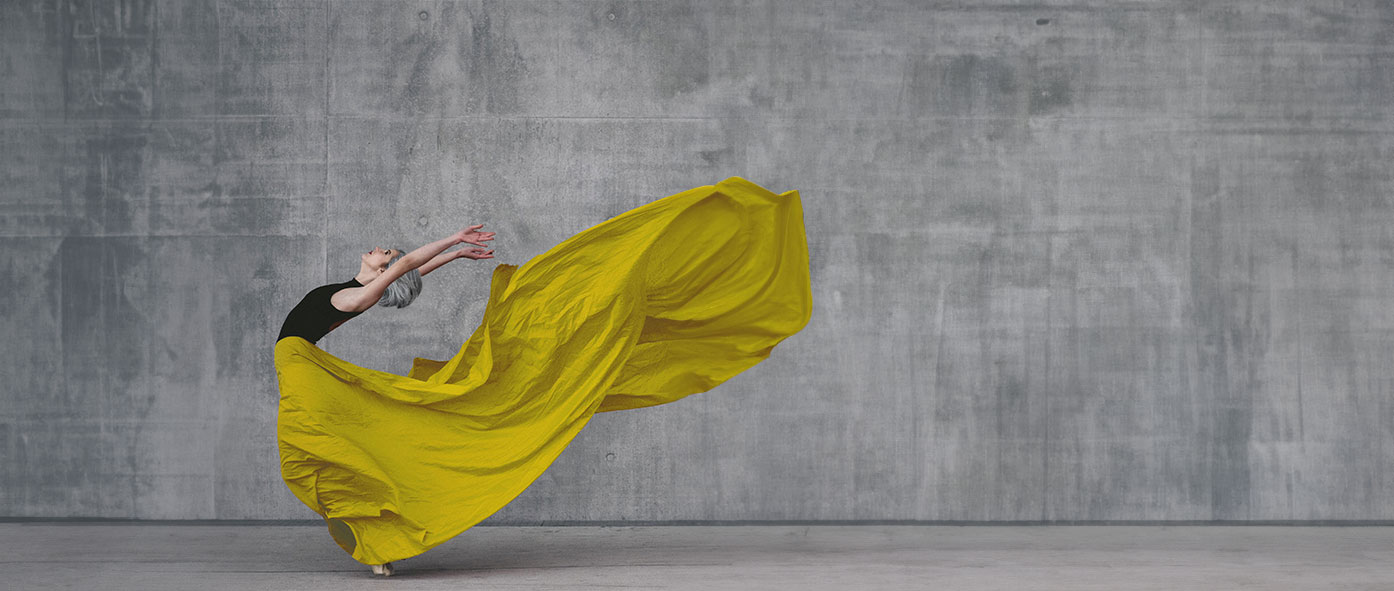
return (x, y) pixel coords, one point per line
(315, 316)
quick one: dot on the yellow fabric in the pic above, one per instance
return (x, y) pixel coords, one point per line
(665, 300)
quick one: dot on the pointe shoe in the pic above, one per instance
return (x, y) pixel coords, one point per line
(384, 569)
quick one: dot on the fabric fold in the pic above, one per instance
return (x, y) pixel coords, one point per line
(660, 302)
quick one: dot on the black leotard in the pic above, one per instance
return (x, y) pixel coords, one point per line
(314, 316)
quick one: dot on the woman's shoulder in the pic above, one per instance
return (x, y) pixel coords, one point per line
(346, 299)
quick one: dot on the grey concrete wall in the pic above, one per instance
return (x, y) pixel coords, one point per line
(1087, 260)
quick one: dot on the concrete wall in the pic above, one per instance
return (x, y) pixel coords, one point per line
(1094, 260)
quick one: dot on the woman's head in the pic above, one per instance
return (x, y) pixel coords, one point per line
(401, 292)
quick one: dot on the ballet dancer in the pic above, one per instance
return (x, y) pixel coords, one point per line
(387, 277)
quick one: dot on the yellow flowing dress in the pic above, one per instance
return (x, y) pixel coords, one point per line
(669, 299)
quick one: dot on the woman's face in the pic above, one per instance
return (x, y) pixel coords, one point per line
(378, 258)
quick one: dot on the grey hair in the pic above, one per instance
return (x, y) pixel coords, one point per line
(401, 292)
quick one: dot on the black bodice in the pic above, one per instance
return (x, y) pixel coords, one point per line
(314, 316)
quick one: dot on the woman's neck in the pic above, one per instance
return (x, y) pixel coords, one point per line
(365, 275)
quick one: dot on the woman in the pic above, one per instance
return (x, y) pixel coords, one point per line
(386, 277)
(666, 300)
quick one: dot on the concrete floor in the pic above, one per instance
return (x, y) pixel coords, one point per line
(67, 555)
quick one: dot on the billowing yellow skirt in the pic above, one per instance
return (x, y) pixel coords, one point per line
(665, 300)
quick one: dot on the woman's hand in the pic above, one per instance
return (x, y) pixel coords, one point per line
(474, 253)
(473, 236)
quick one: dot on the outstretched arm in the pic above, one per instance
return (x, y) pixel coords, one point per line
(439, 260)
(464, 253)
(373, 291)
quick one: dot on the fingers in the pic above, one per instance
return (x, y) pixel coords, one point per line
(478, 238)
